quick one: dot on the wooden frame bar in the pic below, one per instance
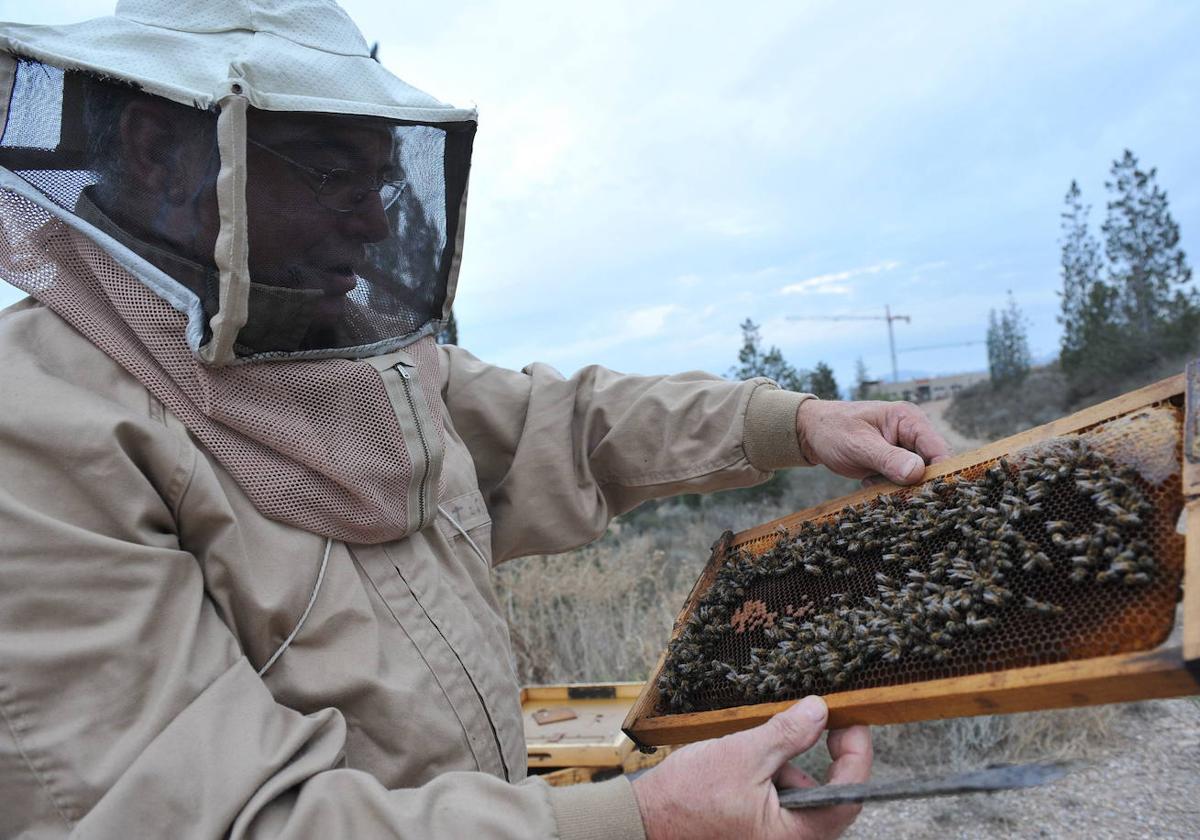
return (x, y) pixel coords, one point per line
(1171, 670)
(1191, 492)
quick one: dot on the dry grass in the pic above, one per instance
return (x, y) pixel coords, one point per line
(605, 612)
(973, 741)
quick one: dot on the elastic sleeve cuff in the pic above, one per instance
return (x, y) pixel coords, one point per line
(600, 811)
(770, 437)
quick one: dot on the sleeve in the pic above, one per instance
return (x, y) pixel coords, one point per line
(557, 458)
(126, 706)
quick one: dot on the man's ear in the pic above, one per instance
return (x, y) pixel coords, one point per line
(150, 151)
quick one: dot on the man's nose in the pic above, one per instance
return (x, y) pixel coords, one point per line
(368, 222)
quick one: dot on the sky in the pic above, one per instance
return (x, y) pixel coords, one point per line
(649, 174)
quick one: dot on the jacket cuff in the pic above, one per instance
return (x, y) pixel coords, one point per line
(770, 437)
(600, 811)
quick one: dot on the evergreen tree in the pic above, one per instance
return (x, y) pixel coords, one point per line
(1147, 268)
(861, 378)
(1086, 310)
(752, 361)
(822, 383)
(1142, 310)
(1007, 345)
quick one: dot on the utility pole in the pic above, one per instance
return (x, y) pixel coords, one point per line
(887, 316)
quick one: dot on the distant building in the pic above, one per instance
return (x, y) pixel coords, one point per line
(925, 389)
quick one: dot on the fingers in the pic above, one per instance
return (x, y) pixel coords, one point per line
(791, 776)
(893, 440)
(764, 748)
(894, 463)
(908, 441)
(852, 755)
(915, 431)
(851, 752)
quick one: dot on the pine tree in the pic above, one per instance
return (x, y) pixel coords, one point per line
(1007, 345)
(752, 361)
(1085, 310)
(1142, 310)
(1147, 267)
(822, 382)
(861, 378)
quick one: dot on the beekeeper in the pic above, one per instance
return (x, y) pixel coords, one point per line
(250, 506)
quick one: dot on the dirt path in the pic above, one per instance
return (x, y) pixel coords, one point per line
(1145, 783)
(936, 409)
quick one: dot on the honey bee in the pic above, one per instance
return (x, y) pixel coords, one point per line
(1042, 607)
(978, 624)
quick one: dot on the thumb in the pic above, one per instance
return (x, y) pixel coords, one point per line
(898, 465)
(791, 732)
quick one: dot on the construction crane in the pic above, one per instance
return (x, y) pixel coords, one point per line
(887, 316)
(940, 346)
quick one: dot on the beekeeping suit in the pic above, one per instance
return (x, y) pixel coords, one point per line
(249, 506)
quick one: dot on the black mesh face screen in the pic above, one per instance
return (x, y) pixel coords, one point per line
(1067, 550)
(348, 230)
(352, 222)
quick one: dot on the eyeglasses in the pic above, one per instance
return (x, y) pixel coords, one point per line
(343, 190)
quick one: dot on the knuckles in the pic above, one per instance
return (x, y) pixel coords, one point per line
(793, 731)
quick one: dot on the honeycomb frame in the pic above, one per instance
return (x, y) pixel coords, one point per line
(1103, 672)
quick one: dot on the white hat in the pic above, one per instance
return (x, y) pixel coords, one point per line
(324, 290)
(196, 52)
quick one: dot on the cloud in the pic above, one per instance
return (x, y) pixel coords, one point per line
(638, 325)
(648, 322)
(835, 282)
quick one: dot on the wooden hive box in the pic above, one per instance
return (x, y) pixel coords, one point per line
(577, 725)
(1127, 653)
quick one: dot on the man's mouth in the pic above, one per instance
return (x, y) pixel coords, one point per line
(338, 279)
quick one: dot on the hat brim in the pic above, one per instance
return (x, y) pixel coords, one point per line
(199, 69)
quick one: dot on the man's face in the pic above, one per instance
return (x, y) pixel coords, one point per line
(311, 210)
(312, 203)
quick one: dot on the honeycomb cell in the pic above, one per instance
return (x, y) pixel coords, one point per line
(1065, 550)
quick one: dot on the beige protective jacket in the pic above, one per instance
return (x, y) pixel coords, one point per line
(140, 592)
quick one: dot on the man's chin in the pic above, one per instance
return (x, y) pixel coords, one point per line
(329, 309)
(320, 336)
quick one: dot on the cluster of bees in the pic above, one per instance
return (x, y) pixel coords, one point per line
(912, 576)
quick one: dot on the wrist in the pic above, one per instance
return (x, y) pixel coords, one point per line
(805, 419)
(770, 436)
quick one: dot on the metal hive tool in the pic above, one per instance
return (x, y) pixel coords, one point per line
(1040, 571)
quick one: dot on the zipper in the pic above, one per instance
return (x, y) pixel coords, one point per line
(422, 487)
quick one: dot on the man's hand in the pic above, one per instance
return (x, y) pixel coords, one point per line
(863, 439)
(726, 788)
